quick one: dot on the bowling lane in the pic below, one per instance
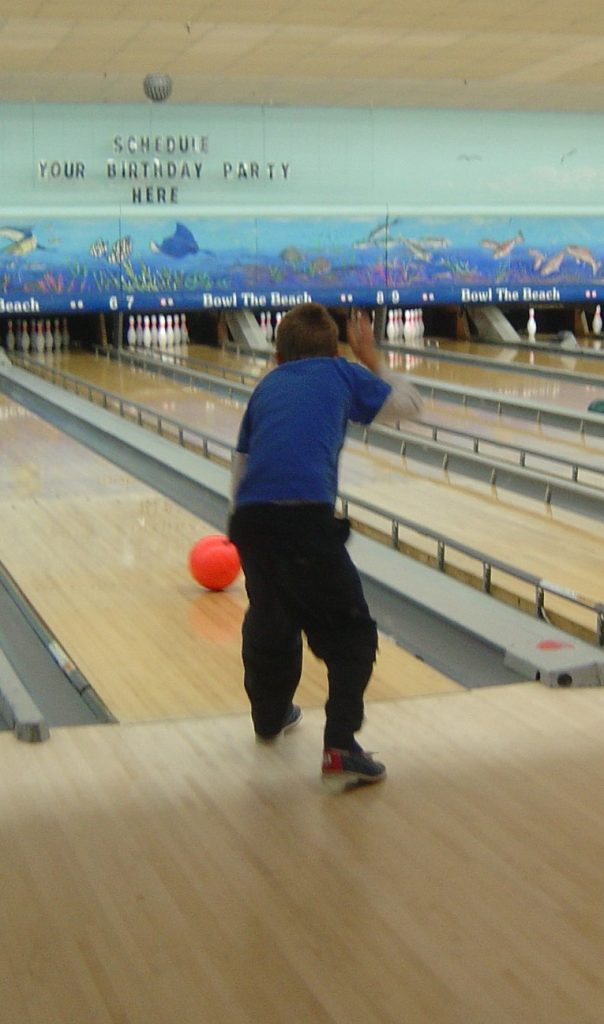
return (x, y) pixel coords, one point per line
(535, 355)
(546, 438)
(217, 415)
(506, 429)
(255, 366)
(552, 543)
(521, 384)
(103, 558)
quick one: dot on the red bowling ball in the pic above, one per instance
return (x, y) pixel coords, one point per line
(214, 562)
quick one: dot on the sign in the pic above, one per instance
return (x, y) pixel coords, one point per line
(258, 262)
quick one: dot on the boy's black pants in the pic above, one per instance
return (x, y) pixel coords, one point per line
(300, 577)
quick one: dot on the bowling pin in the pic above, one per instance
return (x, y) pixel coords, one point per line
(177, 334)
(131, 336)
(184, 330)
(65, 334)
(391, 326)
(161, 334)
(531, 327)
(154, 338)
(597, 322)
(169, 332)
(25, 338)
(57, 336)
(39, 340)
(139, 331)
(10, 337)
(48, 338)
(146, 333)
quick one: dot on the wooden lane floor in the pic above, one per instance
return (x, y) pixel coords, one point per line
(255, 366)
(556, 545)
(103, 559)
(522, 382)
(488, 425)
(529, 356)
(177, 872)
(517, 434)
(508, 429)
(511, 430)
(517, 383)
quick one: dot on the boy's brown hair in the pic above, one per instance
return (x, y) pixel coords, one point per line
(307, 330)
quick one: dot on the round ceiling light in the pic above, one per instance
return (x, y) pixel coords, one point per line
(157, 87)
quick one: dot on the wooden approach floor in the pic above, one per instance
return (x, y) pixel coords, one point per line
(177, 873)
(103, 558)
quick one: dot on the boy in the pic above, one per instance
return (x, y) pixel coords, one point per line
(299, 576)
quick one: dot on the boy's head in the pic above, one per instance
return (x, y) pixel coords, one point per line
(307, 330)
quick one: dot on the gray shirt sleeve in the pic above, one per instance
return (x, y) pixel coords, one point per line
(403, 402)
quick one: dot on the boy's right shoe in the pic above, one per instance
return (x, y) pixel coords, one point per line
(343, 768)
(292, 719)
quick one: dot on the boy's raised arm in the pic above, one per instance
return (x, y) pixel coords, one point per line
(404, 401)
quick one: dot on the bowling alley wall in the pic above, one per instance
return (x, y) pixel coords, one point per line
(121, 208)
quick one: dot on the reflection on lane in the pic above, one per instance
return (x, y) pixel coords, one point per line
(535, 355)
(520, 384)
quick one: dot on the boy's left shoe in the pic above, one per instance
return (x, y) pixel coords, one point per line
(344, 768)
(292, 719)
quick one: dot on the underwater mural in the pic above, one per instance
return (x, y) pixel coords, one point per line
(122, 263)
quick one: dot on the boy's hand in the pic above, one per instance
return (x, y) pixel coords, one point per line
(359, 334)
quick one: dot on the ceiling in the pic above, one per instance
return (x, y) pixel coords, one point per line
(473, 54)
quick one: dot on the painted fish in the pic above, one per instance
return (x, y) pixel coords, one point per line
(291, 255)
(180, 244)
(418, 251)
(503, 250)
(432, 242)
(21, 241)
(320, 266)
(120, 250)
(99, 248)
(537, 257)
(381, 229)
(553, 264)
(583, 255)
(377, 236)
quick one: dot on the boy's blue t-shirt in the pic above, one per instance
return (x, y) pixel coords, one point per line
(294, 426)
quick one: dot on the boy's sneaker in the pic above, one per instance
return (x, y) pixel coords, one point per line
(343, 768)
(292, 719)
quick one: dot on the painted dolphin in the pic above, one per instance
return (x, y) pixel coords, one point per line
(21, 241)
(553, 264)
(419, 251)
(178, 245)
(538, 258)
(582, 255)
(503, 250)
